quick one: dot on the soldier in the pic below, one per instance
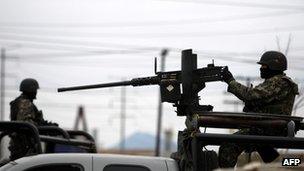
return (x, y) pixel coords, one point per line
(274, 96)
(23, 109)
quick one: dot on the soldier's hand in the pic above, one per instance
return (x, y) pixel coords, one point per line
(40, 113)
(227, 75)
(52, 123)
(48, 123)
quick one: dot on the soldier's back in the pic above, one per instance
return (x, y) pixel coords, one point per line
(23, 109)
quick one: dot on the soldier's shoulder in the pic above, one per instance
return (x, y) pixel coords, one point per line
(283, 81)
(24, 102)
(280, 79)
(16, 100)
(291, 84)
(288, 79)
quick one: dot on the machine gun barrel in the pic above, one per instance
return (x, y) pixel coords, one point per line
(113, 84)
(134, 82)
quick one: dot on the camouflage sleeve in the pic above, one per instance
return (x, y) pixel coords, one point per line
(26, 111)
(39, 118)
(263, 93)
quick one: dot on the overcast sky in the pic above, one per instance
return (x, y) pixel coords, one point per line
(74, 42)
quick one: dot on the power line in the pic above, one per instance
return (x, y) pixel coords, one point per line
(242, 4)
(46, 56)
(240, 60)
(131, 106)
(78, 64)
(40, 25)
(297, 48)
(230, 58)
(81, 52)
(82, 64)
(66, 42)
(53, 90)
(51, 40)
(67, 47)
(227, 58)
(96, 43)
(141, 35)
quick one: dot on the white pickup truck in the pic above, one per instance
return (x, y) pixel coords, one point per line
(90, 162)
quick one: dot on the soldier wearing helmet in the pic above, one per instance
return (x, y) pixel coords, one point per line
(23, 109)
(274, 96)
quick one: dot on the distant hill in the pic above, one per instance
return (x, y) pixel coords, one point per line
(142, 141)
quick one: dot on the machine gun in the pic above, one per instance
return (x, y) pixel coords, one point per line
(181, 88)
(191, 78)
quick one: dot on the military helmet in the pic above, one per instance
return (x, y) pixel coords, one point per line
(29, 85)
(274, 60)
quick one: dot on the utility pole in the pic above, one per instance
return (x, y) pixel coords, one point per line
(298, 105)
(123, 119)
(299, 102)
(81, 116)
(288, 45)
(95, 132)
(2, 96)
(2, 84)
(168, 140)
(2, 92)
(164, 53)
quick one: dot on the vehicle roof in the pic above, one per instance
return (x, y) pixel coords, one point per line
(79, 156)
(85, 160)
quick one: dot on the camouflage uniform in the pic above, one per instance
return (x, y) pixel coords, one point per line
(23, 109)
(275, 96)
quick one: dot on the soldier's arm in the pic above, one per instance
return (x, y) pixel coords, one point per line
(264, 93)
(26, 111)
